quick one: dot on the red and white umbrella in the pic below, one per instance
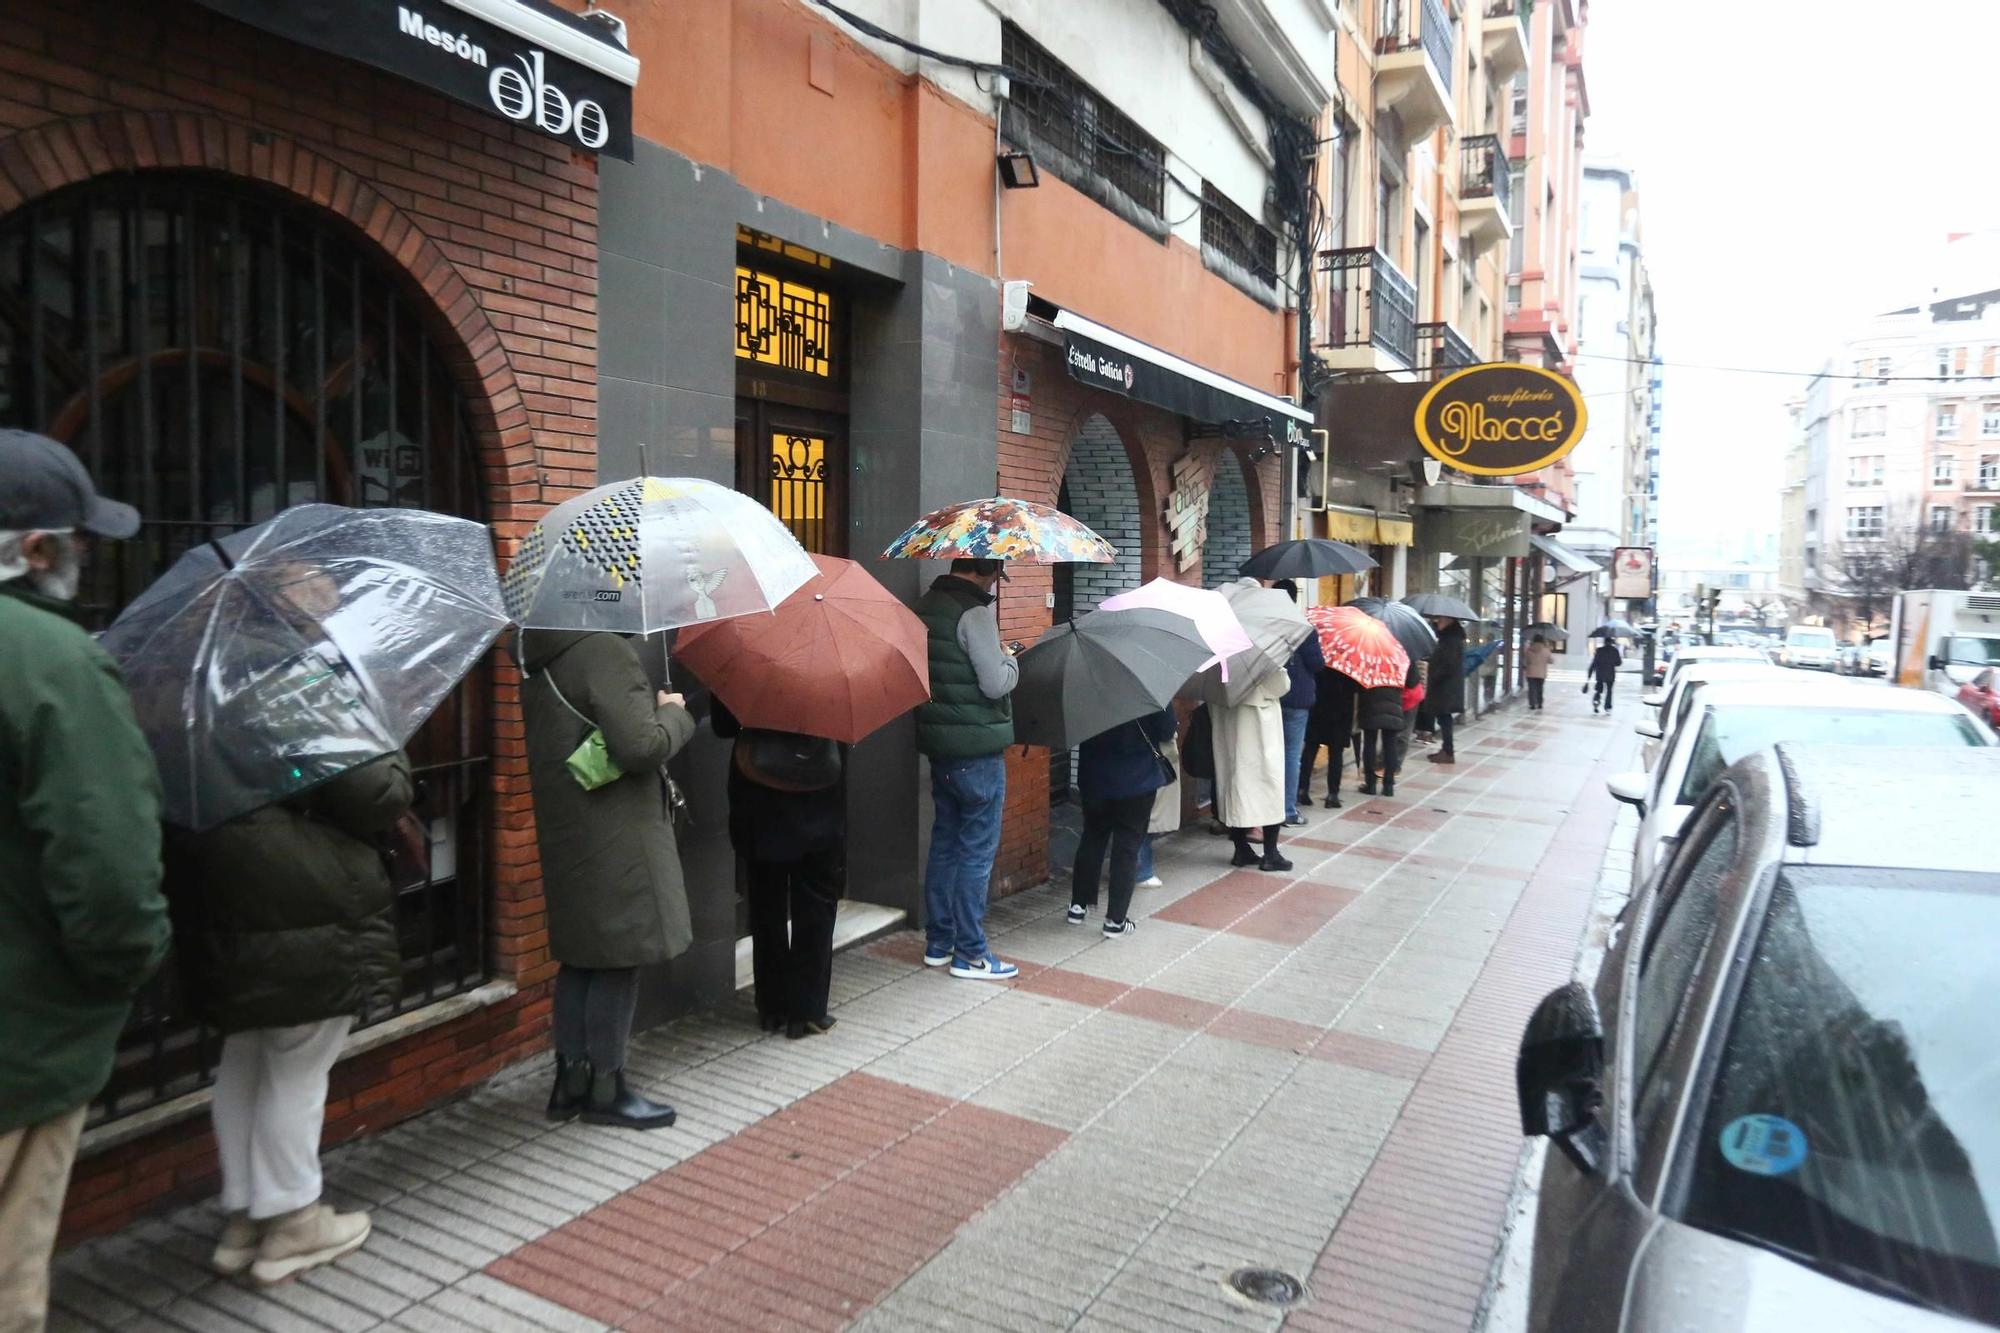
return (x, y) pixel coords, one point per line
(1359, 646)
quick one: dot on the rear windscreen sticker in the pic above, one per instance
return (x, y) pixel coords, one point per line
(1764, 1145)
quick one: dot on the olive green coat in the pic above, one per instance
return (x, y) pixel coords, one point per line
(611, 872)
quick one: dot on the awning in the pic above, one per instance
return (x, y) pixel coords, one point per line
(1104, 358)
(1365, 527)
(1562, 555)
(1466, 495)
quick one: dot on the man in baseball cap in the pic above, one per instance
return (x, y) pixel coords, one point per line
(82, 920)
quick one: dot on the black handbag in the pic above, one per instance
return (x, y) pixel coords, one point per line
(1198, 750)
(787, 761)
(1169, 775)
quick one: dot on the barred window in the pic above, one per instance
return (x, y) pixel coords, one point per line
(1080, 138)
(1238, 240)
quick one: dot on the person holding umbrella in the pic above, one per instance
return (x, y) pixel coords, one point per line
(1118, 771)
(1329, 726)
(1535, 669)
(1444, 690)
(1381, 717)
(1604, 665)
(1296, 707)
(1364, 649)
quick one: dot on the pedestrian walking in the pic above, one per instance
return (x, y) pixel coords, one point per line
(611, 870)
(1118, 774)
(788, 824)
(285, 925)
(82, 921)
(1329, 726)
(1604, 674)
(1535, 669)
(965, 730)
(1250, 771)
(1379, 716)
(1302, 671)
(1444, 686)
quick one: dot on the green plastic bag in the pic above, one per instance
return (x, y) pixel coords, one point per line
(591, 764)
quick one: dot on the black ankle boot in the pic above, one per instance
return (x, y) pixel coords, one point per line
(610, 1102)
(1388, 786)
(1273, 861)
(571, 1087)
(1333, 800)
(1245, 854)
(1368, 787)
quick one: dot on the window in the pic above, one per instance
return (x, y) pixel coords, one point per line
(1420, 267)
(1982, 520)
(1078, 137)
(783, 323)
(1728, 735)
(1947, 421)
(1881, 370)
(1864, 522)
(1989, 472)
(1958, 361)
(1869, 421)
(1989, 360)
(1236, 244)
(1517, 189)
(1517, 113)
(1342, 159)
(1989, 420)
(1866, 469)
(1940, 518)
(1944, 362)
(1944, 469)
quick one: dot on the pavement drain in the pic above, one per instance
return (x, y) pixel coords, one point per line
(1267, 1286)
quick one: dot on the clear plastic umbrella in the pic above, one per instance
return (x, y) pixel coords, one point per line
(271, 660)
(653, 553)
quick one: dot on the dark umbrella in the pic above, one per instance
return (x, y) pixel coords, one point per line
(1411, 630)
(1615, 629)
(1440, 604)
(1088, 676)
(1306, 558)
(1547, 630)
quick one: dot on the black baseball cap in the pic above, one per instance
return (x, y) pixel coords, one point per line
(44, 487)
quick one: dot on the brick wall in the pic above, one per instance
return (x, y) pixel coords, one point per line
(1229, 527)
(496, 231)
(1098, 481)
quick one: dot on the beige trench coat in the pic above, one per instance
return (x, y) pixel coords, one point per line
(1249, 753)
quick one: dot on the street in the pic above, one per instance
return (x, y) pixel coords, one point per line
(1310, 1072)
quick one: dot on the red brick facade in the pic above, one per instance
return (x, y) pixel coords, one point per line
(495, 230)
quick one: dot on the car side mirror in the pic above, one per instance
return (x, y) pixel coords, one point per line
(1937, 664)
(1559, 1075)
(1650, 730)
(1629, 788)
(1652, 700)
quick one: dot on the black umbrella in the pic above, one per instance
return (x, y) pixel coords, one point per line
(1440, 604)
(1088, 676)
(1411, 630)
(1306, 558)
(1615, 629)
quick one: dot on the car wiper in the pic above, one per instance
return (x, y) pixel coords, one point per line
(1854, 1275)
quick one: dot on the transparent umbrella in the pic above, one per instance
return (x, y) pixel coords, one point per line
(271, 660)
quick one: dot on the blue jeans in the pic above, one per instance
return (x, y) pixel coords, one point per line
(968, 795)
(1295, 749)
(1145, 870)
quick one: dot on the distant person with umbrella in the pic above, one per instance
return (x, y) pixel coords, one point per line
(1535, 669)
(1604, 665)
(1444, 687)
(1364, 649)
(82, 922)
(1302, 671)
(1118, 773)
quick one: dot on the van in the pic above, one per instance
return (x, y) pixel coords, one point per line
(1941, 638)
(1809, 646)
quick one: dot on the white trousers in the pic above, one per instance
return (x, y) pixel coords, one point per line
(269, 1107)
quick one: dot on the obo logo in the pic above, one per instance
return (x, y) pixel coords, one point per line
(525, 94)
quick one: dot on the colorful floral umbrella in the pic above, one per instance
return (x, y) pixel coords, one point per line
(1359, 646)
(1001, 529)
(1214, 619)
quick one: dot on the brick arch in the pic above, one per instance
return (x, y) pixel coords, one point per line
(1123, 419)
(1233, 518)
(51, 156)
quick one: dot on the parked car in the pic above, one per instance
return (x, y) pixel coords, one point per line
(1774, 1109)
(1982, 695)
(1699, 652)
(1879, 657)
(1847, 660)
(1674, 703)
(1810, 646)
(1729, 719)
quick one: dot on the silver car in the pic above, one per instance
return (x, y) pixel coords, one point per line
(1776, 1109)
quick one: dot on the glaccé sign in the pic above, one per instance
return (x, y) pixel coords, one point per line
(1500, 420)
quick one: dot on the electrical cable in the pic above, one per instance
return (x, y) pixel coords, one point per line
(1797, 374)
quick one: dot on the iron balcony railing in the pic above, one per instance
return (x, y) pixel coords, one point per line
(1440, 349)
(1518, 9)
(1484, 169)
(1433, 33)
(1367, 301)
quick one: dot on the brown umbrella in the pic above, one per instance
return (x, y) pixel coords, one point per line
(838, 658)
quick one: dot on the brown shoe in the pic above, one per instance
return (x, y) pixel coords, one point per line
(236, 1247)
(312, 1236)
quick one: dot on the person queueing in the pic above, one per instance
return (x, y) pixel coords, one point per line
(1604, 665)
(964, 731)
(1117, 774)
(611, 872)
(82, 921)
(1535, 670)
(788, 823)
(1250, 772)
(1378, 713)
(1307, 661)
(285, 922)
(1330, 726)
(1444, 685)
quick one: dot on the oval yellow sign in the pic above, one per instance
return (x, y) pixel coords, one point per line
(1501, 420)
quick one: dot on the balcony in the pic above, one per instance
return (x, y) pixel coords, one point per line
(1483, 182)
(1413, 68)
(1440, 350)
(1367, 315)
(1503, 37)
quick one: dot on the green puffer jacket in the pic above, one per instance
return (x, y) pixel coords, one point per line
(82, 922)
(285, 915)
(959, 722)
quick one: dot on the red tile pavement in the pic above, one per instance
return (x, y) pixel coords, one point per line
(1260, 905)
(802, 1220)
(1216, 905)
(1297, 914)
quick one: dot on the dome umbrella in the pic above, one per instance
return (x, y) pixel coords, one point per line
(839, 658)
(1411, 630)
(1000, 528)
(1086, 676)
(1359, 646)
(1306, 558)
(1214, 619)
(1615, 629)
(1547, 629)
(1441, 604)
(1276, 628)
(274, 659)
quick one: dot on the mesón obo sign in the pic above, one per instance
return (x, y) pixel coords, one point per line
(1500, 420)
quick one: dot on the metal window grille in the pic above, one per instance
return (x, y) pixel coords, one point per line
(1078, 136)
(216, 355)
(799, 487)
(1237, 238)
(1485, 171)
(1364, 300)
(784, 323)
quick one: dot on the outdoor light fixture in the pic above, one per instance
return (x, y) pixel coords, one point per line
(1017, 170)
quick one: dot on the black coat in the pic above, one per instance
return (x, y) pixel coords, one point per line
(1380, 709)
(766, 824)
(1604, 662)
(1332, 719)
(1444, 691)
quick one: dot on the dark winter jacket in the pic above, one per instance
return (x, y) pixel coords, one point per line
(1380, 708)
(1332, 720)
(770, 825)
(1307, 661)
(82, 922)
(1444, 691)
(961, 721)
(1122, 762)
(1604, 662)
(285, 915)
(611, 871)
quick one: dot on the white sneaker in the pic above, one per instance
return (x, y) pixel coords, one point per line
(1075, 915)
(312, 1236)
(988, 968)
(1152, 882)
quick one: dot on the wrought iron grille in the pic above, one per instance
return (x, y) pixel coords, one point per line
(784, 323)
(1078, 136)
(1367, 301)
(1484, 170)
(1239, 239)
(1440, 349)
(1433, 34)
(799, 488)
(1518, 10)
(214, 355)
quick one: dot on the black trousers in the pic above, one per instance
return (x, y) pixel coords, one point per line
(1335, 745)
(1535, 692)
(1120, 824)
(792, 908)
(1380, 744)
(593, 1013)
(1444, 721)
(1602, 694)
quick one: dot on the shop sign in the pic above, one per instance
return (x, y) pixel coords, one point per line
(1099, 366)
(1187, 511)
(1489, 534)
(1632, 572)
(1500, 420)
(566, 94)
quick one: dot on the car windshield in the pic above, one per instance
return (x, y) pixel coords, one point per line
(1810, 638)
(1851, 1124)
(1728, 734)
(1972, 650)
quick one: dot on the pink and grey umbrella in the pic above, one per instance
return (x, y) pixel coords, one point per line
(1214, 618)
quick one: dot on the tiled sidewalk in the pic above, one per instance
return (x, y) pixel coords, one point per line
(1311, 1072)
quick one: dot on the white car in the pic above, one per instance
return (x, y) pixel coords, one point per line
(1675, 701)
(1694, 653)
(1810, 646)
(1729, 719)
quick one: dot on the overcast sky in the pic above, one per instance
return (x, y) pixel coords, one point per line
(1800, 162)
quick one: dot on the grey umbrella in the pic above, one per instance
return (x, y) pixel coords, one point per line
(1088, 676)
(1615, 629)
(1276, 628)
(1440, 604)
(1411, 629)
(1306, 558)
(1547, 630)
